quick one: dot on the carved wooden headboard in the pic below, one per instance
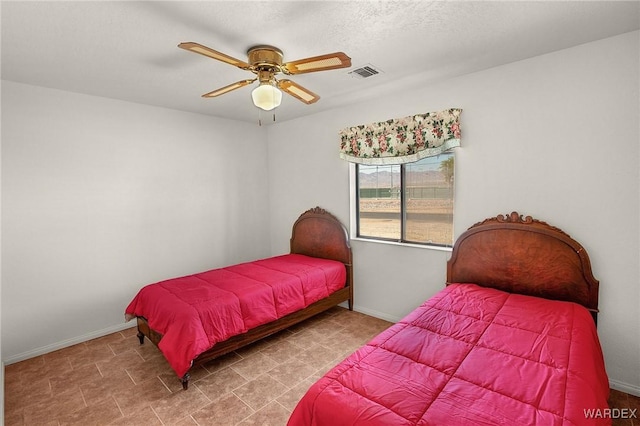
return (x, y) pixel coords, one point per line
(526, 256)
(318, 233)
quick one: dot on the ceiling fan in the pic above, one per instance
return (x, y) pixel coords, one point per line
(266, 62)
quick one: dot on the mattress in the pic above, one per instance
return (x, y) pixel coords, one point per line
(195, 312)
(469, 356)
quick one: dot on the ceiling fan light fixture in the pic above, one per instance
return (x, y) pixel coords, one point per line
(266, 96)
(266, 62)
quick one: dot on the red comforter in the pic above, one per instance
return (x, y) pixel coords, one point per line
(469, 356)
(195, 312)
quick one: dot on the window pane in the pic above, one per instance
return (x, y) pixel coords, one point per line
(429, 200)
(379, 201)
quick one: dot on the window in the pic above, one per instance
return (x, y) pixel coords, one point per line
(410, 203)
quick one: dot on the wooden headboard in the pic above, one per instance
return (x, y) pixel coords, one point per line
(526, 256)
(318, 233)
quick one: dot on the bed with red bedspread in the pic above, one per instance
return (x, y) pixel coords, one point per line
(195, 318)
(511, 340)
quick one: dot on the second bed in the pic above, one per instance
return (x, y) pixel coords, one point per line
(511, 340)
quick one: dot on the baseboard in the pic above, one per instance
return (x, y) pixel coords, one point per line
(624, 387)
(119, 327)
(69, 342)
(376, 314)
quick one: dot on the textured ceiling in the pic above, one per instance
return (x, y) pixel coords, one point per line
(128, 50)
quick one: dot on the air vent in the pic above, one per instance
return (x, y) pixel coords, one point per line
(365, 71)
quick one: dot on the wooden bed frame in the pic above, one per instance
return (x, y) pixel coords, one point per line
(512, 253)
(315, 233)
(525, 256)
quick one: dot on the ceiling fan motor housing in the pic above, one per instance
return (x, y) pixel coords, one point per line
(262, 57)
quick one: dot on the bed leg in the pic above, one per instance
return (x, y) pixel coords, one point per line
(141, 337)
(185, 381)
(351, 304)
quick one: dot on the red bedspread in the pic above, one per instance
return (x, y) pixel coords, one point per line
(469, 356)
(195, 312)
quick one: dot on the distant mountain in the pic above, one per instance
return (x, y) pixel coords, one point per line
(386, 179)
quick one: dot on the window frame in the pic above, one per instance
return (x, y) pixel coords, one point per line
(355, 213)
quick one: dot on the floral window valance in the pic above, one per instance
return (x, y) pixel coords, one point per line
(402, 140)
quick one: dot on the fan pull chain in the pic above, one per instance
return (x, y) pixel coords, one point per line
(260, 117)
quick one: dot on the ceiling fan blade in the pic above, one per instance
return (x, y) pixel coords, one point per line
(228, 88)
(317, 63)
(297, 91)
(206, 51)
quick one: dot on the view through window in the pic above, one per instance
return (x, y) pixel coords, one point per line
(408, 203)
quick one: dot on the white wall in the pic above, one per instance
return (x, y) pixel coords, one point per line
(101, 197)
(555, 137)
(1, 359)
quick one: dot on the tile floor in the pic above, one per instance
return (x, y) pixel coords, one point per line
(622, 400)
(114, 380)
